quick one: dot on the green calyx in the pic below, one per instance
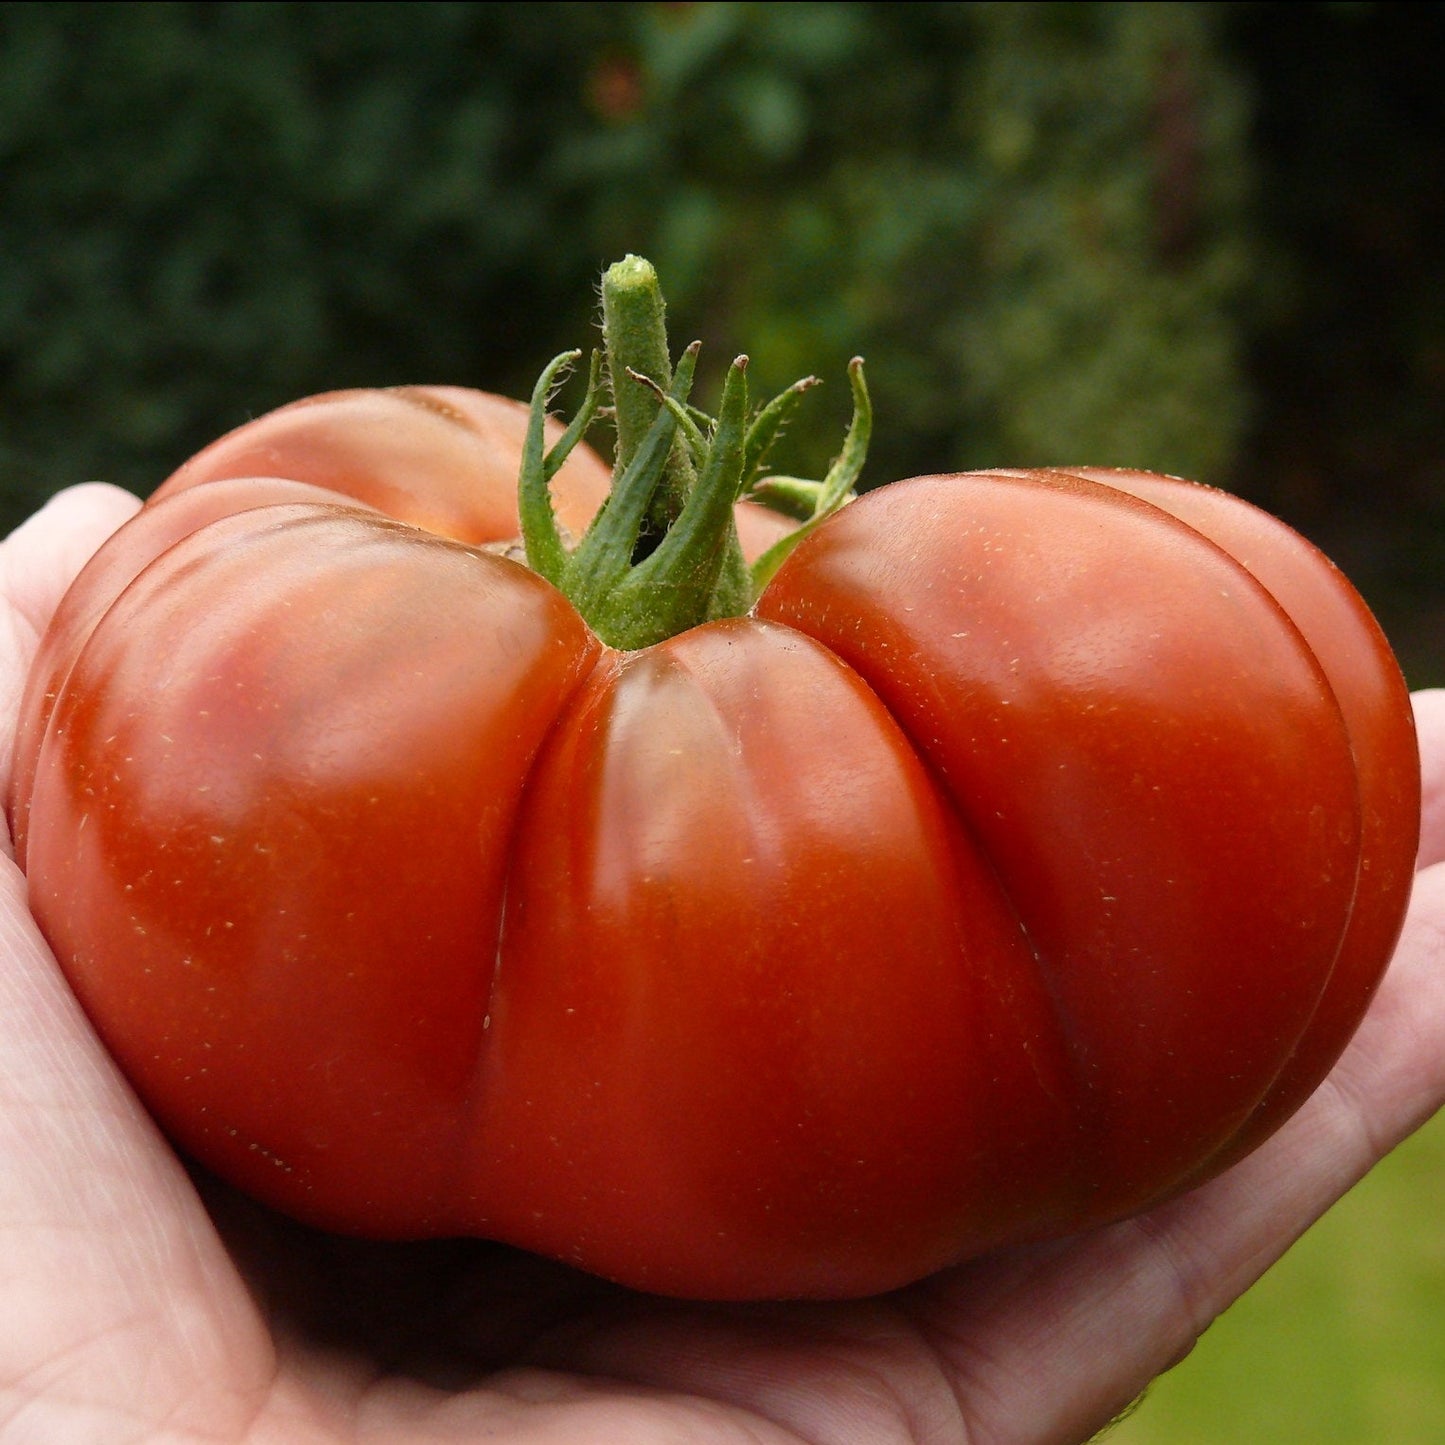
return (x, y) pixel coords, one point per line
(662, 553)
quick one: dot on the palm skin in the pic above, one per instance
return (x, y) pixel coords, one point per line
(143, 1302)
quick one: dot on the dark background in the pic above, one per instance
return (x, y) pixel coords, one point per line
(1201, 238)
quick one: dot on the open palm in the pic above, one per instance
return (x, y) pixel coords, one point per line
(145, 1302)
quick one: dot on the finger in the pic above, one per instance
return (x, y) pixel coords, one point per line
(40, 558)
(1430, 727)
(117, 1297)
(38, 561)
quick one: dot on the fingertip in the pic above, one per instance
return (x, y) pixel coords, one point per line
(1429, 707)
(41, 557)
(94, 509)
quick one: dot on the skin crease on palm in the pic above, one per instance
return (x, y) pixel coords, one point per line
(143, 1302)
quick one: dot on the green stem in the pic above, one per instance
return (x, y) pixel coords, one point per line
(634, 331)
(672, 589)
(837, 488)
(794, 497)
(766, 426)
(545, 552)
(578, 428)
(603, 558)
(662, 553)
(690, 419)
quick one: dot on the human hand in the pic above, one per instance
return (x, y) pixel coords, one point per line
(143, 1301)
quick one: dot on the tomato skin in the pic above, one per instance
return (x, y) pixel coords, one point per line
(690, 810)
(1146, 752)
(442, 457)
(114, 568)
(1360, 668)
(1027, 855)
(308, 879)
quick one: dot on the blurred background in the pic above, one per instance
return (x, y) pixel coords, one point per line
(1199, 238)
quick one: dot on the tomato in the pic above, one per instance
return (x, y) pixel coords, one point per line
(1026, 853)
(442, 457)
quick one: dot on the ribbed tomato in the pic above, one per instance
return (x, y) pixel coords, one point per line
(1024, 853)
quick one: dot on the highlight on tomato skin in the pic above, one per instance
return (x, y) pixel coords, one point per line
(1361, 670)
(1021, 851)
(442, 457)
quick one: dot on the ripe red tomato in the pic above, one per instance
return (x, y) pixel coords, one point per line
(1028, 852)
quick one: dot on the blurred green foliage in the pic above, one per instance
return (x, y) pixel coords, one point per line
(1347, 349)
(1033, 219)
(1198, 237)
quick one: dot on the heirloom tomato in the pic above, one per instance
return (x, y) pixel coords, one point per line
(1022, 854)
